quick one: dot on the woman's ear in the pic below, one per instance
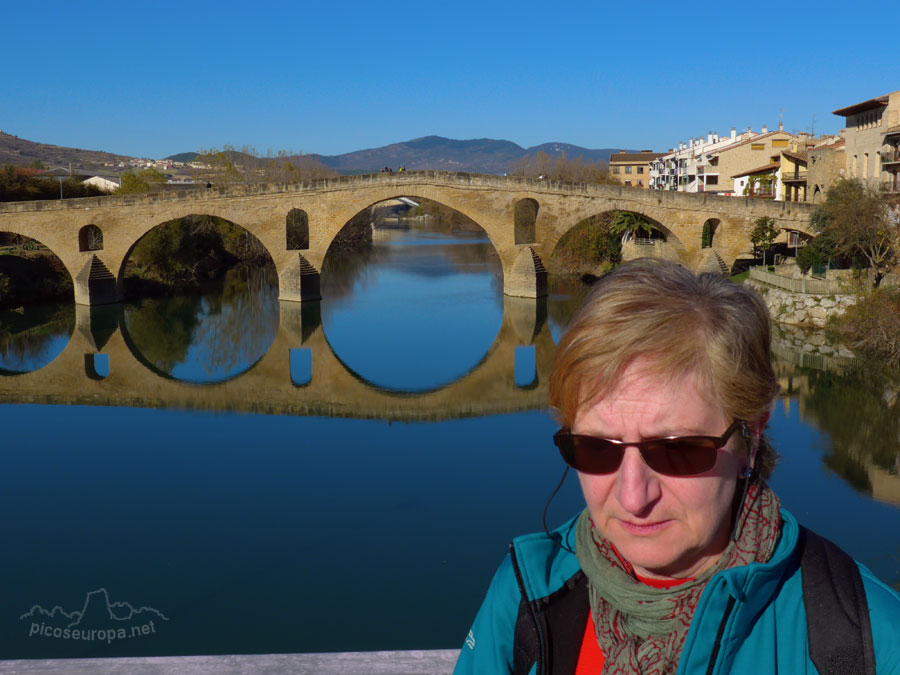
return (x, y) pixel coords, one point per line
(757, 427)
(756, 431)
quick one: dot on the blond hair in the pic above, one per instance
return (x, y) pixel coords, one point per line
(681, 323)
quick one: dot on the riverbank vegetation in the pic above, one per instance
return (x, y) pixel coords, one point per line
(872, 325)
(190, 254)
(19, 184)
(859, 223)
(30, 274)
(592, 247)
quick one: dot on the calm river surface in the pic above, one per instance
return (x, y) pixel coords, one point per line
(237, 475)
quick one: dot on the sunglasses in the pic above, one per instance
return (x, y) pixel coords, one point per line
(671, 456)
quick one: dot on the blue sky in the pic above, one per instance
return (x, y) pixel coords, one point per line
(153, 79)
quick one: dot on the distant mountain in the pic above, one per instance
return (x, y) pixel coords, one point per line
(19, 152)
(482, 155)
(183, 157)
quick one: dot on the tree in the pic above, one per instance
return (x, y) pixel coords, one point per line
(145, 181)
(857, 219)
(764, 234)
(629, 224)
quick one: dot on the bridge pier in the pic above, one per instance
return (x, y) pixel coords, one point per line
(525, 276)
(298, 281)
(95, 284)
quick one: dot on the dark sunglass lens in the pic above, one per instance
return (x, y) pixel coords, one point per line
(681, 456)
(594, 455)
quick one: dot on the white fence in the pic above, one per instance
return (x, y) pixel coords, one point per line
(802, 285)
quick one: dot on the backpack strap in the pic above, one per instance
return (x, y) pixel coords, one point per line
(549, 631)
(837, 614)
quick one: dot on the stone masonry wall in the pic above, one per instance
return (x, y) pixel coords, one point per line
(801, 308)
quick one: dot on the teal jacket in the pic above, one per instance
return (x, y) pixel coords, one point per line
(749, 619)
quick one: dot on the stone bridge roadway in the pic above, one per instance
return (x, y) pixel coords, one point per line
(523, 218)
(333, 390)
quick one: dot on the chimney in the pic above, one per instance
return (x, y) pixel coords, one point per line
(709, 137)
(781, 126)
(621, 152)
(733, 133)
(764, 130)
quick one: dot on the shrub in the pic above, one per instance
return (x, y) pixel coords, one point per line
(872, 325)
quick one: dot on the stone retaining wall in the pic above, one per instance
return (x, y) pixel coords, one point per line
(801, 308)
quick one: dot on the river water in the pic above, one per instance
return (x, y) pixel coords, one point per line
(230, 474)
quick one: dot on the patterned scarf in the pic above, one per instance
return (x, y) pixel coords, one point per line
(642, 629)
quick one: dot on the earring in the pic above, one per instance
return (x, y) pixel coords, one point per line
(746, 472)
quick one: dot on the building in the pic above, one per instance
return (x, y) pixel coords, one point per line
(710, 164)
(826, 164)
(107, 183)
(632, 168)
(691, 166)
(872, 141)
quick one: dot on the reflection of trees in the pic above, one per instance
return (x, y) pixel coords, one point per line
(221, 333)
(566, 295)
(162, 329)
(241, 323)
(27, 337)
(860, 412)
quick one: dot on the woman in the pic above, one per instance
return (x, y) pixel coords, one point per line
(683, 560)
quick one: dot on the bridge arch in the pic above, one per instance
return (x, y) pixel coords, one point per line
(166, 242)
(397, 236)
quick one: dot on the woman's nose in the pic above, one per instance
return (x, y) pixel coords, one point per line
(637, 486)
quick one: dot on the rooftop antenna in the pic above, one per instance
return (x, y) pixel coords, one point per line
(812, 128)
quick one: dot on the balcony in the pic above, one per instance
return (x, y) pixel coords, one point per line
(794, 176)
(891, 156)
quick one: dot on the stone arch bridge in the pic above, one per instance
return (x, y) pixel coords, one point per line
(523, 218)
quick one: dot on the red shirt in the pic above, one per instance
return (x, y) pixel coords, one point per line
(590, 658)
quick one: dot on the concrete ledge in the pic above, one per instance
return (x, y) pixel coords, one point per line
(415, 662)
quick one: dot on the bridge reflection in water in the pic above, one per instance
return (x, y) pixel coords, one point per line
(328, 388)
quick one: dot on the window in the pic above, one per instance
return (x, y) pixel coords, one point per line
(615, 169)
(627, 182)
(865, 166)
(640, 183)
(627, 169)
(779, 143)
(640, 169)
(712, 180)
(757, 146)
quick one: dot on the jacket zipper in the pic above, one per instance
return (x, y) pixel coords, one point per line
(719, 634)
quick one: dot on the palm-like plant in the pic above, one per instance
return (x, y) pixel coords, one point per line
(630, 224)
